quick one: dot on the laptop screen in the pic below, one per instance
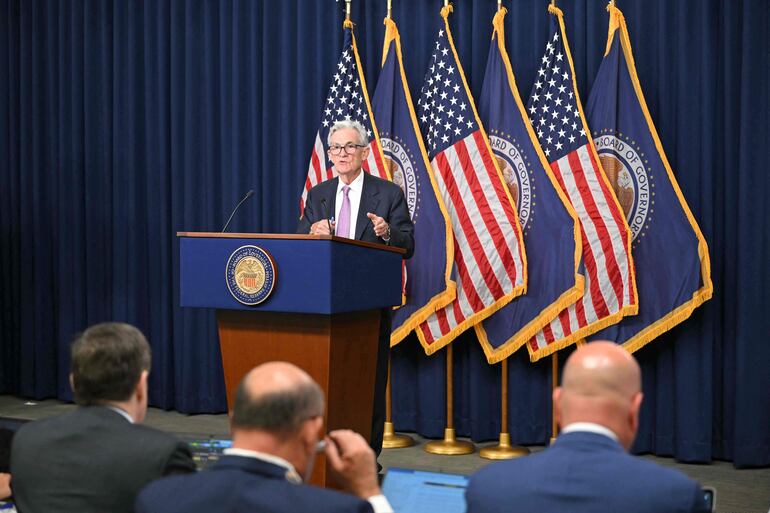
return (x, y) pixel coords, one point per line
(416, 491)
(206, 451)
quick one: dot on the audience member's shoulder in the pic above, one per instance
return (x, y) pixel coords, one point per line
(250, 494)
(648, 469)
(157, 438)
(320, 500)
(47, 424)
(169, 486)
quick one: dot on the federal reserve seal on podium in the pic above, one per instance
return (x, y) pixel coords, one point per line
(250, 275)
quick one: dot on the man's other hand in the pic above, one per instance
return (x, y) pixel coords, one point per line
(381, 227)
(352, 463)
(320, 227)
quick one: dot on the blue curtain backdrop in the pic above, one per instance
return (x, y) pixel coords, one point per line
(124, 122)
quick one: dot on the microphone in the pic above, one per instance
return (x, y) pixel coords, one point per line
(248, 195)
(324, 212)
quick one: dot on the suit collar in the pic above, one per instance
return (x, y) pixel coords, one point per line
(369, 201)
(291, 473)
(252, 466)
(590, 427)
(123, 413)
(587, 439)
(330, 195)
(103, 412)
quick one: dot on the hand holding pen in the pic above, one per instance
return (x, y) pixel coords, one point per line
(323, 227)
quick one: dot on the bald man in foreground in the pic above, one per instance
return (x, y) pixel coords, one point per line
(275, 424)
(588, 468)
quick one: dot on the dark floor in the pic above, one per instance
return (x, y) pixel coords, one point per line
(738, 491)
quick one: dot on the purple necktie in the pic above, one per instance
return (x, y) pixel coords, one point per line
(343, 223)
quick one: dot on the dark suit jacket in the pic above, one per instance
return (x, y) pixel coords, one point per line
(6, 435)
(379, 197)
(242, 484)
(582, 472)
(89, 460)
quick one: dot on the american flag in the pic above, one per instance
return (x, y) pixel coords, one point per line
(429, 286)
(347, 100)
(610, 289)
(489, 261)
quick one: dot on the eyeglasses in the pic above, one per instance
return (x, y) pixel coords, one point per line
(350, 148)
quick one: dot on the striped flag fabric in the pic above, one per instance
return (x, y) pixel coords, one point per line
(549, 223)
(429, 285)
(489, 260)
(673, 271)
(557, 117)
(347, 99)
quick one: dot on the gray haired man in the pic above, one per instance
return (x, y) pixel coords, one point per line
(360, 206)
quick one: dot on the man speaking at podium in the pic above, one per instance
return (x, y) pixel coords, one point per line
(360, 206)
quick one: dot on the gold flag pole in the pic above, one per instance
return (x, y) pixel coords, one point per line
(504, 450)
(449, 446)
(347, 9)
(390, 440)
(554, 384)
(390, 9)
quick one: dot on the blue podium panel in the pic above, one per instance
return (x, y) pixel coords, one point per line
(313, 274)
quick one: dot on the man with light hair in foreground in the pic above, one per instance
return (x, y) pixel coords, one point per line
(588, 468)
(275, 425)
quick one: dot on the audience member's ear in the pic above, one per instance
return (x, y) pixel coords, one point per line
(141, 386)
(311, 432)
(636, 405)
(140, 394)
(557, 405)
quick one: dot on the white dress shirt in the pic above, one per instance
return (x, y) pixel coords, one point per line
(379, 503)
(590, 427)
(354, 195)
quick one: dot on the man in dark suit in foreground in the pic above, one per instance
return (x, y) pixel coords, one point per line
(97, 457)
(360, 206)
(276, 421)
(588, 469)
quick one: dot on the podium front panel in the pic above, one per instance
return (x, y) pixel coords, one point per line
(320, 276)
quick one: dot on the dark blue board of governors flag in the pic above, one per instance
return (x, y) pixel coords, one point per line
(549, 223)
(428, 284)
(673, 273)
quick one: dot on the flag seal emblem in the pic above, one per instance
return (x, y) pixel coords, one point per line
(516, 174)
(399, 163)
(250, 275)
(626, 171)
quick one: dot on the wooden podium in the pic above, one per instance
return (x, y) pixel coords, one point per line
(323, 314)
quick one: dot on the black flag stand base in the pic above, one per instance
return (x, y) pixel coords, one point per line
(504, 450)
(449, 446)
(390, 440)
